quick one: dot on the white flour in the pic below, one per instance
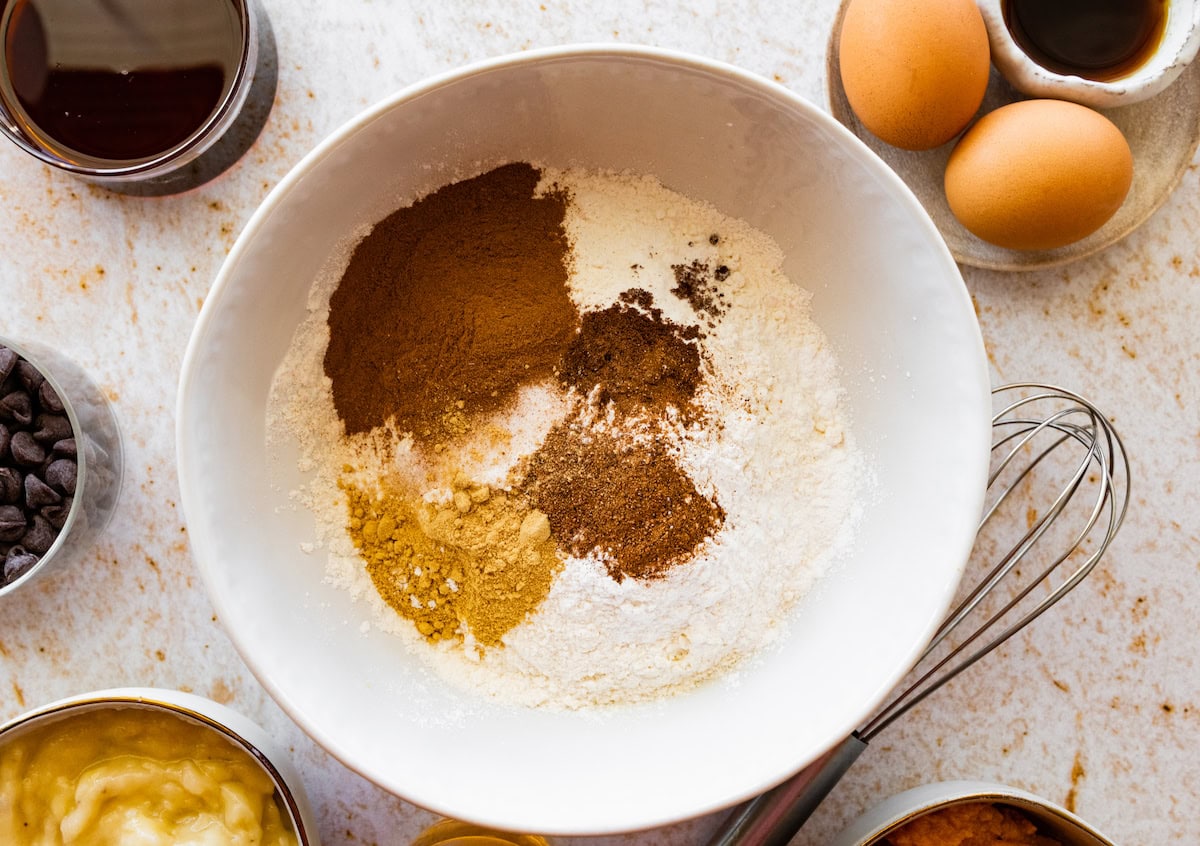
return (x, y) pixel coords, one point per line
(782, 464)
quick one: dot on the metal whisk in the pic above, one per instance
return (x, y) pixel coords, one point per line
(1039, 427)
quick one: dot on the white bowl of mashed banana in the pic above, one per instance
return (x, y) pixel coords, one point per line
(147, 766)
(584, 440)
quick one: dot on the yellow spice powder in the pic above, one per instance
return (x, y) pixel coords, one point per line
(477, 564)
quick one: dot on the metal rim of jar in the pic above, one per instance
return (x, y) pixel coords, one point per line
(81, 472)
(146, 699)
(968, 792)
(171, 159)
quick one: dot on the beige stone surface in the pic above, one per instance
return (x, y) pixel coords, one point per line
(1097, 707)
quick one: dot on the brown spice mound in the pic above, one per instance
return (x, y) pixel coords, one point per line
(629, 500)
(479, 563)
(697, 284)
(459, 298)
(639, 360)
(409, 570)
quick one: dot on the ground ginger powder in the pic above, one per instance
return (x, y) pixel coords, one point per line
(468, 569)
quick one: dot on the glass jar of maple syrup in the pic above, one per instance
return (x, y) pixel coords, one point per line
(126, 92)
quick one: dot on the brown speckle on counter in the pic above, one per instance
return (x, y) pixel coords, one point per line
(221, 691)
(1077, 776)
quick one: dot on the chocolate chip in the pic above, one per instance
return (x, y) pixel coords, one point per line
(50, 399)
(17, 563)
(721, 273)
(61, 474)
(40, 535)
(38, 470)
(714, 239)
(10, 486)
(31, 378)
(26, 452)
(56, 515)
(8, 360)
(12, 523)
(38, 494)
(16, 407)
(52, 428)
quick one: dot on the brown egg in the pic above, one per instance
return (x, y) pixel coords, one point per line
(1038, 174)
(914, 71)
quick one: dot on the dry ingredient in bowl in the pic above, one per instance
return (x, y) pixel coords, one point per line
(459, 299)
(572, 435)
(480, 560)
(627, 499)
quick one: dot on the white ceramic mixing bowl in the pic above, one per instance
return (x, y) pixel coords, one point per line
(888, 296)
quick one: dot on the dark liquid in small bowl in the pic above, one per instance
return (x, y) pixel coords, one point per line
(118, 80)
(1102, 40)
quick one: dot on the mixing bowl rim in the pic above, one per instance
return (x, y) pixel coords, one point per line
(545, 56)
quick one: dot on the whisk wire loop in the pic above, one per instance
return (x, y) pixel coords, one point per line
(1020, 442)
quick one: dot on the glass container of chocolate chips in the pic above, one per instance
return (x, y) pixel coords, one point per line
(60, 462)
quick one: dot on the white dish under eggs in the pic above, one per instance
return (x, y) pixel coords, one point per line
(885, 291)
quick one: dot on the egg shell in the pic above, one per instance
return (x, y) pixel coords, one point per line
(1038, 174)
(914, 71)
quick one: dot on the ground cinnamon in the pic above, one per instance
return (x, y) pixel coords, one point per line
(450, 305)
(634, 358)
(626, 499)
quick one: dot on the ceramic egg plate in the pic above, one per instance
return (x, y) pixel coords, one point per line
(1163, 133)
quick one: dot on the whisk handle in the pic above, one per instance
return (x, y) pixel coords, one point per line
(774, 817)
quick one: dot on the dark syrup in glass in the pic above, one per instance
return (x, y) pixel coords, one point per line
(1100, 40)
(119, 80)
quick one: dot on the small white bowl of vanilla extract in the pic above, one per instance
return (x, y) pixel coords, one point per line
(1101, 53)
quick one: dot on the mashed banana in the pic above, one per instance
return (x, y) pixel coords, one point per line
(134, 777)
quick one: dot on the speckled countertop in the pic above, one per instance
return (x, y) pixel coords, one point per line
(1097, 708)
